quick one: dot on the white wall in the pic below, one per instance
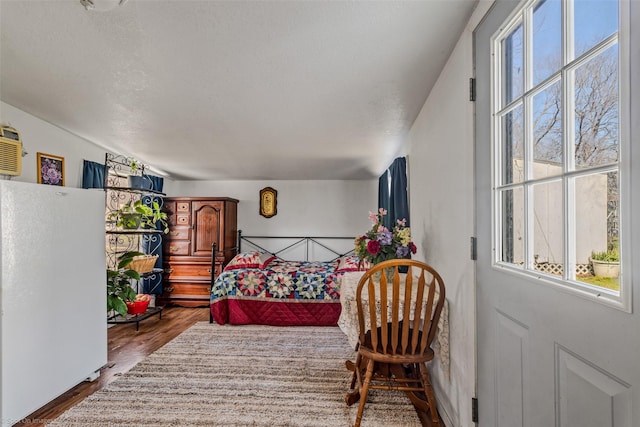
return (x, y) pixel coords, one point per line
(305, 208)
(40, 136)
(441, 165)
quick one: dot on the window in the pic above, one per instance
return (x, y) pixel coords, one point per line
(557, 145)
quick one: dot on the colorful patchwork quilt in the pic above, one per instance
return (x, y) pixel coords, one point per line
(282, 293)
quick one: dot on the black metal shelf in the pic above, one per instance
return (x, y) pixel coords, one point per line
(148, 273)
(118, 171)
(152, 272)
(135, 318)
(136, 231)
(136, 190)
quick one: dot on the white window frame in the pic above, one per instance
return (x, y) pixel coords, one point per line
(621, 300)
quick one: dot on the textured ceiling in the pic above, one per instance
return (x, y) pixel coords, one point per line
(212, 90)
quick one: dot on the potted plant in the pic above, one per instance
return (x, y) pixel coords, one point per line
(135, 215)
(606, 263)
(139, 181)
(134, 163)
(119, 290)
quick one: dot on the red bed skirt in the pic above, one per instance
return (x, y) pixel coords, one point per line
(275, 313)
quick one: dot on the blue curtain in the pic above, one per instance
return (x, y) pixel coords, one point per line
(152, 244)
(384, 199)
(394, 200)
(92, 174)
(158, 182)
(399, 201)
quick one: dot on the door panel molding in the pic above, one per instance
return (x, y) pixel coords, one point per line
(512, 345)
(587, 395)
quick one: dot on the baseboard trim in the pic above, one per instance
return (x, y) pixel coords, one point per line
(444, 415)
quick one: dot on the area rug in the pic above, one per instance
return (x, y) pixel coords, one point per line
(250, 375)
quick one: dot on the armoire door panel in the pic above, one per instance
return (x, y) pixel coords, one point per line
(207, 221)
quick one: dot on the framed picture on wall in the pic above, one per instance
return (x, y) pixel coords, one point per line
(268, 202)
(50, 169)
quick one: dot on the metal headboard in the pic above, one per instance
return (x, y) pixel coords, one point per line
(306, 240)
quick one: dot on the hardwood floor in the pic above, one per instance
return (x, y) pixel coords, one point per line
(126, 347)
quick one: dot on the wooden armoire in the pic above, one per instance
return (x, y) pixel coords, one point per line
(195, 223)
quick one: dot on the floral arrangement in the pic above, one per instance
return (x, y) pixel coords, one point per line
(381, 244)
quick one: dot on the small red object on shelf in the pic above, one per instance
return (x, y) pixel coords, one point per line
(137, 307)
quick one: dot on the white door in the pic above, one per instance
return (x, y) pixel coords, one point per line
(554, 346)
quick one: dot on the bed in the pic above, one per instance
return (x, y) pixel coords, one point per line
(259, 286)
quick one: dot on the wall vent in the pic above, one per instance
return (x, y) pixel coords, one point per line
(10, 151)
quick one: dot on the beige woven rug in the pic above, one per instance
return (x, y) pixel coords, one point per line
(214, 375)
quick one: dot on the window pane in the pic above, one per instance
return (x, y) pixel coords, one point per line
(596, 110)
(594, 21)
(512, 149)
(597, 229)
(548, 248)
(557, 150)
(513, 226)
(547, 39)
(513, 72)
(547, 132)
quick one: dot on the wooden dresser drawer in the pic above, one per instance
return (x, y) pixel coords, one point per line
(179, 233)
(186, 290)
(177, 247)
(188, 272)
(185, 294)
(183, 207)
(183, 219)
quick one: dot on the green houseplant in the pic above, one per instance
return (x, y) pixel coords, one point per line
(606, 263)
(134, 163)
(611, 255)
(119, 289)
(134, 215)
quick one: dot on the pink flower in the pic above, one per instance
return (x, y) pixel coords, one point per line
(373, 247)
(373, 217)
(382, 211)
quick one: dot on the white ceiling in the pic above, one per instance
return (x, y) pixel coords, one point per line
(212, 90)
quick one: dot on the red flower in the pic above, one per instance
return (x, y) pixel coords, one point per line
(412, 248)
(373, 247)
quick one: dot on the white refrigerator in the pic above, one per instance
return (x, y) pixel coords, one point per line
(53, 331)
